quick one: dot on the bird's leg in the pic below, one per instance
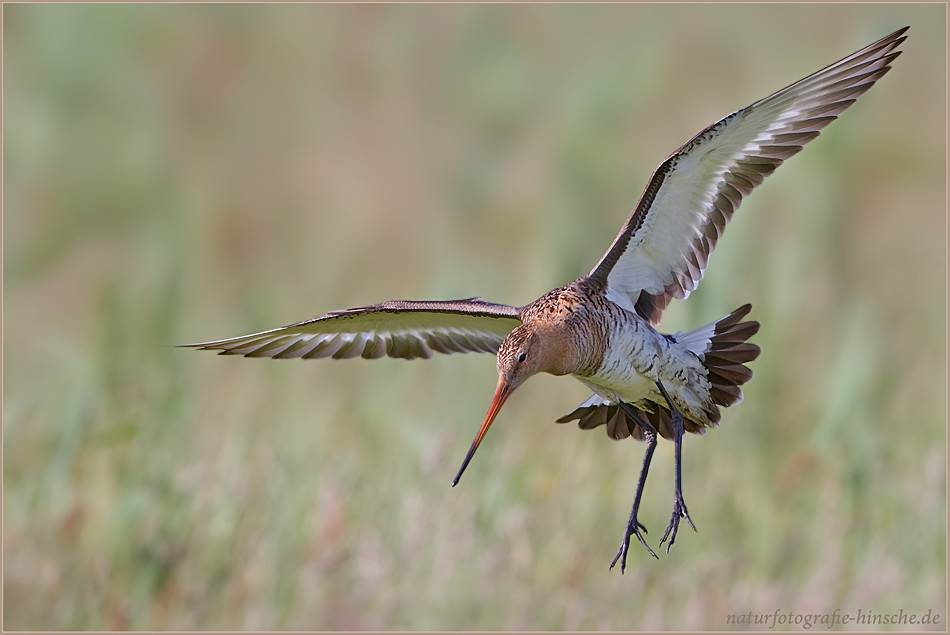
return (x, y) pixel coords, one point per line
(633, 525)
(679, 506)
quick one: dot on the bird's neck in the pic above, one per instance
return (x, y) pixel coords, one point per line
(571, 338)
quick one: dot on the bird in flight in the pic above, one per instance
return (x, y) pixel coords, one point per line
(601, 328)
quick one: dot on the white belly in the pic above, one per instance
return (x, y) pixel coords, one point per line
(636, 358)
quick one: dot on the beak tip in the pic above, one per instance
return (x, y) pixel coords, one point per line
(501, 394)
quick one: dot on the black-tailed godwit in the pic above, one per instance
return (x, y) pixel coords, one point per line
(601, 327)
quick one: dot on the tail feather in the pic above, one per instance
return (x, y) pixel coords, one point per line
(725, 393)
(735, 335)
(737, 354)
(736, 375)
(724, 354)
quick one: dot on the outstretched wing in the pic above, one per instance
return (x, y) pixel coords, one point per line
(398, 329)
(662, 250)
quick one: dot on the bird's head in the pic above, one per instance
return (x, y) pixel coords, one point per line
(525, 352)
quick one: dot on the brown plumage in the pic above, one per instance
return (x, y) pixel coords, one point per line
(600, 328)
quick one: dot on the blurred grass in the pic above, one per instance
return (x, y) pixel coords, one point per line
(182, 173)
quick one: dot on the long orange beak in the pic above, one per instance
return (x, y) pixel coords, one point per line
(501, 394)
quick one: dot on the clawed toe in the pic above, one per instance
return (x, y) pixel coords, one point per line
(633, 528)
(679, 511)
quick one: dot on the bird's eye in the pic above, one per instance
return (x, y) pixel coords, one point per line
(521, 357)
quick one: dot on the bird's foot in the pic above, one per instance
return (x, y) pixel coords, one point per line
(633, 527)
(679, 511)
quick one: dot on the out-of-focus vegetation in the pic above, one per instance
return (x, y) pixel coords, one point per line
(182, 173)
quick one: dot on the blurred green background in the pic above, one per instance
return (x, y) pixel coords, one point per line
(182, 173)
